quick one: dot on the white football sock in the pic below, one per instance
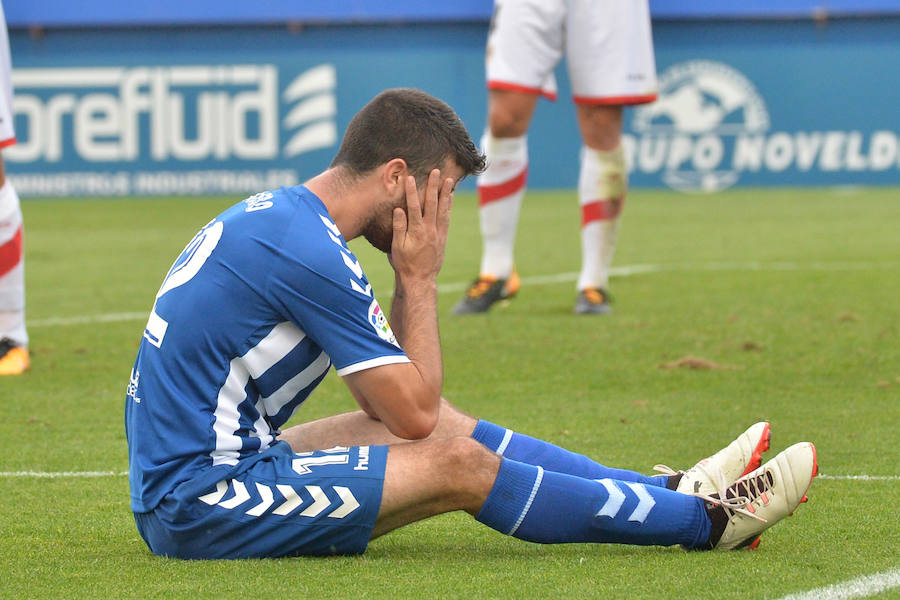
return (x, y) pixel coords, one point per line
(602, 186)
(500, 191)
(12, 268)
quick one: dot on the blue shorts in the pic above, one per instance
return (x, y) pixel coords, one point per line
(274, 504)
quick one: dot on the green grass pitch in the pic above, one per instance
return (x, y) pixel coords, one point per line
(794, 293)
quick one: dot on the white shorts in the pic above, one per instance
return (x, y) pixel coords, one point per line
(608, 46)
(7, 133)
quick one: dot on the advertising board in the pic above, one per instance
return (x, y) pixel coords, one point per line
(236, 110)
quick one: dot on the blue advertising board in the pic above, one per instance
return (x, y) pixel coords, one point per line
(240, 109)
(55, 13)
(771, 103)
(230, 110)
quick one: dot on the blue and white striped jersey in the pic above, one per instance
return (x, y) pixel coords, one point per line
(255, 310)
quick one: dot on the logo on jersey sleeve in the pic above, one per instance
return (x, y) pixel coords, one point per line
(260, 201)
(378, 320)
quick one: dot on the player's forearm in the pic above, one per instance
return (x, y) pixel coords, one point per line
(406, 396)
(397, 310)
(416, 317)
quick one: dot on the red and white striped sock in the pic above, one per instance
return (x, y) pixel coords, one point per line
(602, 186)
(12, 268)
(500, 191)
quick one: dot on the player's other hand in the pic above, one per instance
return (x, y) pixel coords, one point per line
(420, 232)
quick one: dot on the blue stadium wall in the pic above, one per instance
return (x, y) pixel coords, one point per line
(111, 100)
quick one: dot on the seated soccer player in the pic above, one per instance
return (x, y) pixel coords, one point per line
(267, 297)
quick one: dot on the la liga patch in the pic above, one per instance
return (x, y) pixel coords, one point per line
(378, 320)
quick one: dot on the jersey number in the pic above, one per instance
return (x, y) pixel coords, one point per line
(339, 455)
(188, 264)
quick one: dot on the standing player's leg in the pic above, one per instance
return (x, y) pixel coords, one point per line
(602, 185)
(13, 336)
(524, 45)
(609, 48)
(14, 357)
(500, 191)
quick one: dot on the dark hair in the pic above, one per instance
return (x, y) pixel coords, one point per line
(409, 124)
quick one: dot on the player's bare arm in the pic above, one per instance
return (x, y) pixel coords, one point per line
(406, 397)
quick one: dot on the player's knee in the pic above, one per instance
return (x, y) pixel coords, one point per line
(604, 141)
(470, 465)
(465, 452)
(505, 121)
(601, 126)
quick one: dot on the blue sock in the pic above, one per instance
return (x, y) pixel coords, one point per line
(542, 506)
(529, 450)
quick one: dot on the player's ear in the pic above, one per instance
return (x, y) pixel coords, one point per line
(394, 175)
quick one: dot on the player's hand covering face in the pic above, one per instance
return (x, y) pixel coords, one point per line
(420, 232)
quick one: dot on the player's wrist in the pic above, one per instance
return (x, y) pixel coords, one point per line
(412, 284)
(423, 279)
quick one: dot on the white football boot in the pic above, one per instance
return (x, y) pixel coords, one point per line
(728, 464)
(743, 510)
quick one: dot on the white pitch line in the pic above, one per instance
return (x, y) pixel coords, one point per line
(62, 474)
(867, 585)
(623, 271)
(629, 270)
(775, 266)
(88, 319)
(860, 477)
